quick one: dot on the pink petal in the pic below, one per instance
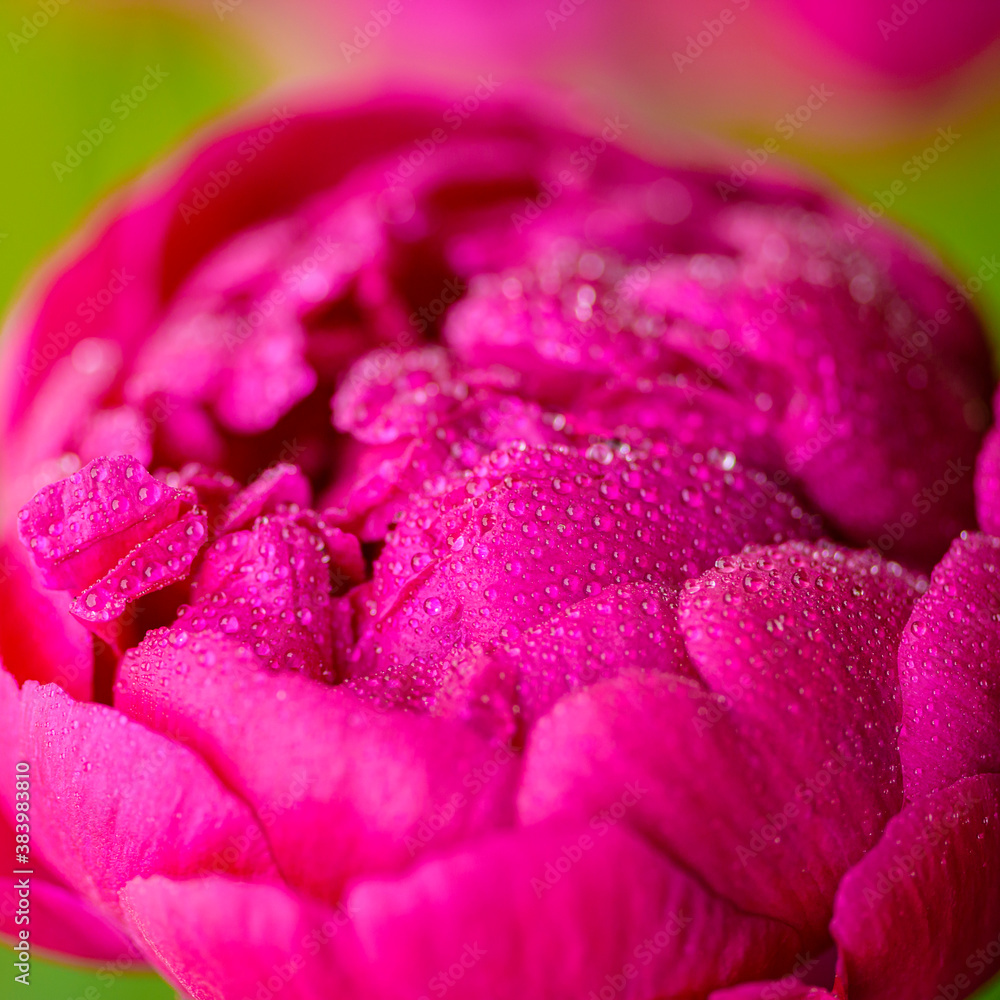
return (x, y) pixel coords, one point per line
(835, 339)
(921, 911)
(774, 830)
(236, 340)
(786, 988)
(599, 638)
(78, 528)
(390, 395)
(215, 489)
(111, 800)
(491, 917)
(948, 676)
(347, 789)
(152, 565)
(155, 238)
(988, 482)
(931, 47)
(220, 939)
(281, 484)
(637, 749)
(61, 920)
(817, 628)
(482, 922)
(268, 376)
(468, 685)
(269, 587)
(39, 639)
(347, 562)
(374, 487)
(533, 532)
(121, 431)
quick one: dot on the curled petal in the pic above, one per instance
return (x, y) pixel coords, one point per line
(153, 564)
(78, 528)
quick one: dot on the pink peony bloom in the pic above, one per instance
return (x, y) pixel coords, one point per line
(457, 556)
(909, 41)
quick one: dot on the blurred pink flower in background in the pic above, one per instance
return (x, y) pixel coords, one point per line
(701, 64)
(910, 41)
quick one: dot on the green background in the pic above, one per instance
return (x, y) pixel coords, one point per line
(65, 79)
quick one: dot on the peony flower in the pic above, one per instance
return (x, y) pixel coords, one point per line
(448, 554)
(907, 43)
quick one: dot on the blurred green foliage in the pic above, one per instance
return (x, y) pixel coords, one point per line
(68, 77)
(56, 981)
